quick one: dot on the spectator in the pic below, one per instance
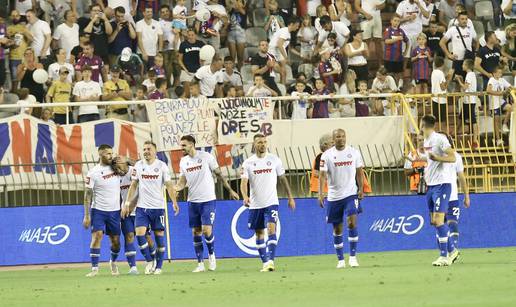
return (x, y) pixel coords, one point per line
(84, 39)
(158, 66)
(210, 30)
(144, 4)
(362, 103)
(230, 91)
(321, 108)
(439, 84)
(394, 37)
(273, 21)
(459, 8)
(171, 42)
(209, 79)
(117, 89)
(99, 28)
(306, 36)
(421, 58)
(150, 82)
(20, 37)
(348, 87)
(325, 143)
(24, 75)
(236, 35)
(96, 64)
(23, 95)
(372, 25)
(189, 58)
(488, 58)
(139, 111)
(4, 43)
(263, 63)
(195, 91)
(301, 105)
(329, 71)
(131, 65)
(463, 42)
(260, 89)
(320, 11)
(180, 14)
(161, 91)
(232, 76)
(497, 87)
(22, 6)
(383, 84)
(46, 116)
(447, 11)
(61, 91)
(66, 35)
(469, 117)
(340, 10)
(53, 69)
(150, 37)
(301, 77)
(357, 53)
(339, 28)
(414, 167)
(434, 36)
(41, 35)
(509, 12)
(123, 35)
(87, 90)
(279, 43)
(509, 48)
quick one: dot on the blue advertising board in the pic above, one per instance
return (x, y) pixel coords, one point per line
(54, 234)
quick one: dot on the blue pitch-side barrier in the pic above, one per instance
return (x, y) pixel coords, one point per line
(54, 234)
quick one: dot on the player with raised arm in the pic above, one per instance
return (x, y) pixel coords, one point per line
(196, 172)
(453, 214)
(438, 152)
(261, 172)
(342, 166)
(148, 178)
(102, 197)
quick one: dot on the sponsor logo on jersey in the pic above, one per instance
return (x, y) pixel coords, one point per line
(151, 177)
(262, 171)
(343, 163)
(408, 225)
(53, 235)
(194, 168)
(125, 187)
(105, 177)
(248, 245)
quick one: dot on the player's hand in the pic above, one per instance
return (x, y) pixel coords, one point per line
(86, 222)
(360, 195)
(432, 156)
(234, 195)
(175, 206)
(246, 202)
(321, 200)
(368, 16)
(466, 201)
(292, 204)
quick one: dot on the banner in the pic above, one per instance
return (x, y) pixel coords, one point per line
(241, 118)
(172, 118)
(54, 234)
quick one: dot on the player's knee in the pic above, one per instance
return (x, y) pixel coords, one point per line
(260, 234)
(197, 231)
(271, 229)
(129, 237)
(337, 229)
(207, 230)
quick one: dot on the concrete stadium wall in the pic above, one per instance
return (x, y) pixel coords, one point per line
(54, 234)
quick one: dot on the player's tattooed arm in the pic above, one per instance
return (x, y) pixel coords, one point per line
(129, 205)
(173, 196)
(322, 183)
(227, 186)
(360, 182)
(291, 201)
(181, 184)
(243, 190)
(86, 222)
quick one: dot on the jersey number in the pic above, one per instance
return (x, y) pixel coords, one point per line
(456, 212)
(212, 217)
(437, 204)
(274, 214)
(356, 203)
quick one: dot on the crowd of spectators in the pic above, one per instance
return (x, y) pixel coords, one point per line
(121, 50)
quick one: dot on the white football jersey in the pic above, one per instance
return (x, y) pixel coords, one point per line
(125, 184)
(437, 172)
(106, 188)
(151, 179)
(263, 176)
(457, 167)
(199, 178)
(341, 167)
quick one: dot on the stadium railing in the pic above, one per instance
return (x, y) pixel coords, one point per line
(488, 168)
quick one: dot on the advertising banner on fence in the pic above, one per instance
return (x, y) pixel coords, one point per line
(172, 118)
(54, 234)
(241, 118)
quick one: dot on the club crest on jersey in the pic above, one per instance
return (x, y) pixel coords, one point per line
(156, 170)
(133, 173)
(199, 161)
(269, 163)
(349, 156)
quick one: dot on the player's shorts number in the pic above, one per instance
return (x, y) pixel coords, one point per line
(356, 203)
(274, 214)
(456, 212)
(437, 204)
(212, 217)
(162, 220)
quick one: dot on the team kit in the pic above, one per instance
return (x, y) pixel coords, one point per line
(127, 199)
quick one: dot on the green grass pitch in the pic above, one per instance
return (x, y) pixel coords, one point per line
(483, 277)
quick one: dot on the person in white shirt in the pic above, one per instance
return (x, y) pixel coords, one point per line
(196, 172)
(383, 83)
(260, 89)
(300, 106)
(66, 35)
(438, 153)
(41, 35)
(469, 85)
(53, 69)
(261, 172)
(509, 11)
(459, 48)
(148, 178)
(102, 198)
(150, 37)
(455, 21)
(209, 79)
(171, 42)
(87, 90)
(232, 76)
(339, 28)
(279, 43)
(342, 166)
(371, 21)
(411, 12)
(439, 84)
(497, 87)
